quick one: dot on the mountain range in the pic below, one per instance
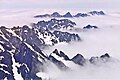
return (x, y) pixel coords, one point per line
(69, 15)
(22, 55)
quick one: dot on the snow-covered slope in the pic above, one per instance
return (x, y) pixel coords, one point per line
(21, 55)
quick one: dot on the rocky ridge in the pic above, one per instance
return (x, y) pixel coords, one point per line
(69, 15)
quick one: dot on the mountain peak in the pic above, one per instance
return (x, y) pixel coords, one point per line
(60, 54)
(68, 14)
(105, 56)
(78, 59)
(55, 14)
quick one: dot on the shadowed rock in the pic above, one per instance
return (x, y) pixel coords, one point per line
(90, 27)
(78, 59)
(102, 58)
(105, 56)
(66, 37)
(68, 15)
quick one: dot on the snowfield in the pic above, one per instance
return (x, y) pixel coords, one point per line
(95, 42)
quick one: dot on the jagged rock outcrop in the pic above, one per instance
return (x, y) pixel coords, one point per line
(57, 57)
(68, 15)
(78, 59)
(62, 60)
(102, 58)
(66, 37)
(54, 25)
(90, 27)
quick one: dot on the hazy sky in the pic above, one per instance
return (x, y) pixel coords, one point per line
(99, 4)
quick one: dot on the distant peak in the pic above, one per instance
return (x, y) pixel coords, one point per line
(68, 14)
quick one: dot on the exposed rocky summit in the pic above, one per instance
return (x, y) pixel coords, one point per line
(78, 59)
(68, 15)
(62, 60)
(90, 27)
(66, 37)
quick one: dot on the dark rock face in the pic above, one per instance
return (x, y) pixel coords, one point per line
(90, 27)
(6, 66)
(58, 63)
(102, 58)
(34, 37)
(65, 36)
(22, 54)
(25, 56)
(78, 59)
(53, 58)
(54, 25)
(62, 54)
(105, 56)
(69, 15)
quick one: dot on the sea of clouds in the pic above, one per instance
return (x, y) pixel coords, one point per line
(94, 43)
